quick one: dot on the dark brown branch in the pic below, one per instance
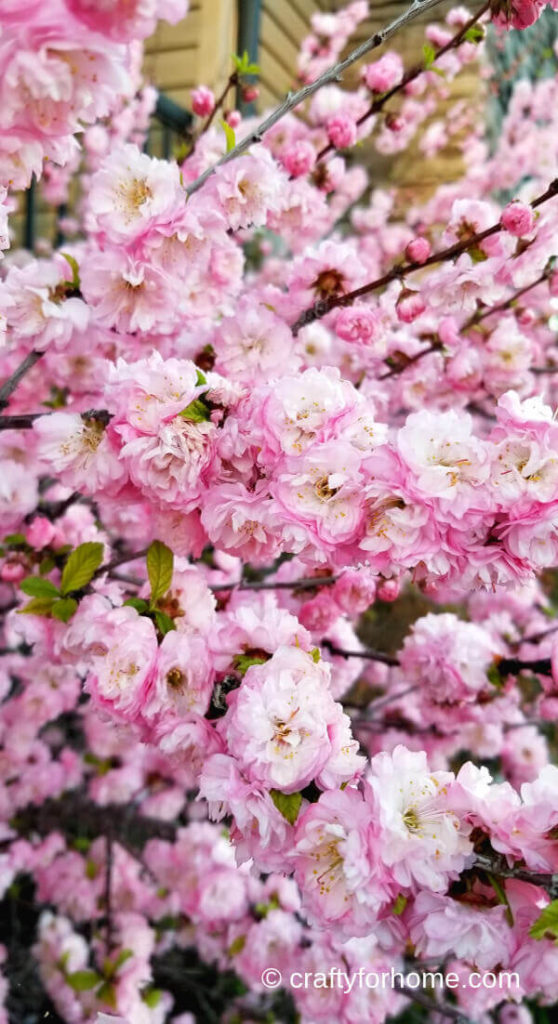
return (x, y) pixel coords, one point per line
(411, 75)
(482, 315)
(496, 864)
(9, 385)
(324, 306)
(367, 654)
(308, 582)
(513, 666)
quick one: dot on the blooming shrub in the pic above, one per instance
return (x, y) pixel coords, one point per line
(279, 520)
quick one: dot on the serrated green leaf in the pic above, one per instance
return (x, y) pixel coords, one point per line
(74, 266)
(399, 904)
(152, 997)
(64, 608)
(82, 981)
(229, 136)
(288, 804)
(546, 925)
(159, 561)
(38, 606)
(34, 586)
(163, 622)
(47, 565)
(197, 411)
(81, 566)
(138, 603)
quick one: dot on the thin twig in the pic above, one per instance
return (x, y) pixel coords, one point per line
(9, 385)
(333, 74)
(411, 75)
(308, 582)
(478, 316)
(368, 654)
(324, 306)
(109, 861)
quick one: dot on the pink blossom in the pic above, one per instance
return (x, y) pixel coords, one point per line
(341, 131)
(203, 101)
(518, 219)
(285, 728)
(383, 74)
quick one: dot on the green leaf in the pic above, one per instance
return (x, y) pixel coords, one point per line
(160, 561)
(493, 675)
(546, 925)
(38, 606)
(152, 997)
(81, 844)
(242, 662)
(197, 411)
(200, 378)
(237, 945)
(399, 904)
(34, 586)
(502, 897)
(229, 135)
(81, 566)
(138, 603)
(46, 565)
(474, 34)
(163, 622)
(429, 54)
(74, 266)
(82, 981)
(287, 803)
(110, 967)
(64, 608)
(15, 539)
(107, 994)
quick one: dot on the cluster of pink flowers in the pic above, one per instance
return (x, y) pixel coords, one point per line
(65, 64)
(245, 426)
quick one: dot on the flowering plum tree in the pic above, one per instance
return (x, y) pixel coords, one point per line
(279, 521)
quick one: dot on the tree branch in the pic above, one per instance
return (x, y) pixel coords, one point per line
(333, 74)
(9, 385)
(411, 74)
(324, 306)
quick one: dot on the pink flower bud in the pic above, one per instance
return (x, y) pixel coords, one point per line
(389, 590)
(418, 250)
(40, 533)
(394, 123)
(298, 158)
(410, 306)
(234, 117)
(341, 131)
(554, 284)
(384, 73)
(203, 101)
(13, 572)
(518, 219)
(250, 93)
